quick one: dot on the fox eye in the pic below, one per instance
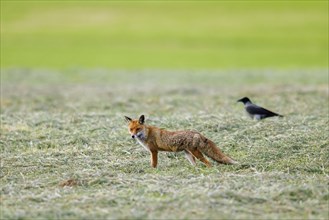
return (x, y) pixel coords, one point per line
(138, 129)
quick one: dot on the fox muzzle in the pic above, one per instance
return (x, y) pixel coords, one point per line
(138, 135)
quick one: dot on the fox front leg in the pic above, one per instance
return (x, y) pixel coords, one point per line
(154, 159)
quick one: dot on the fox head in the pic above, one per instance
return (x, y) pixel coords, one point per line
(136, 127)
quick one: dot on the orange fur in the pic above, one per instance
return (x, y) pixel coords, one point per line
(192, 143)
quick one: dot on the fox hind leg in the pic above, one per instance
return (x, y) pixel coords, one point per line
(200, 156)
(190, 157)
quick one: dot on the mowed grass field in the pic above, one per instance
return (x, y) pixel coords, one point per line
(71, 71)
(66, 152)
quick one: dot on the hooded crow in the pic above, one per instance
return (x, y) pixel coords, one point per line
(255, 111)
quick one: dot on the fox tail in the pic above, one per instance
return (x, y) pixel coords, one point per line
(210, 149)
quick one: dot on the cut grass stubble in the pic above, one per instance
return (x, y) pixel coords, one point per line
(66, 152)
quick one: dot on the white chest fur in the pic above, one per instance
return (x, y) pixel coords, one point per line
(143, 144)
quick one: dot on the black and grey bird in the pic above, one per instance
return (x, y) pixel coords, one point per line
(255, 111)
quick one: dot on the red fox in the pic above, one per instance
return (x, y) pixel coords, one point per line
(193, 143)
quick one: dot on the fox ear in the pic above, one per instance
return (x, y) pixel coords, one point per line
(141, 119)
(128, 119)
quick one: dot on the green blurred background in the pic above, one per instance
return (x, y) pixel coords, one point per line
(164, 34)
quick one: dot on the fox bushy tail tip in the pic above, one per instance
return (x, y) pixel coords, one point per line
(228, 160)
